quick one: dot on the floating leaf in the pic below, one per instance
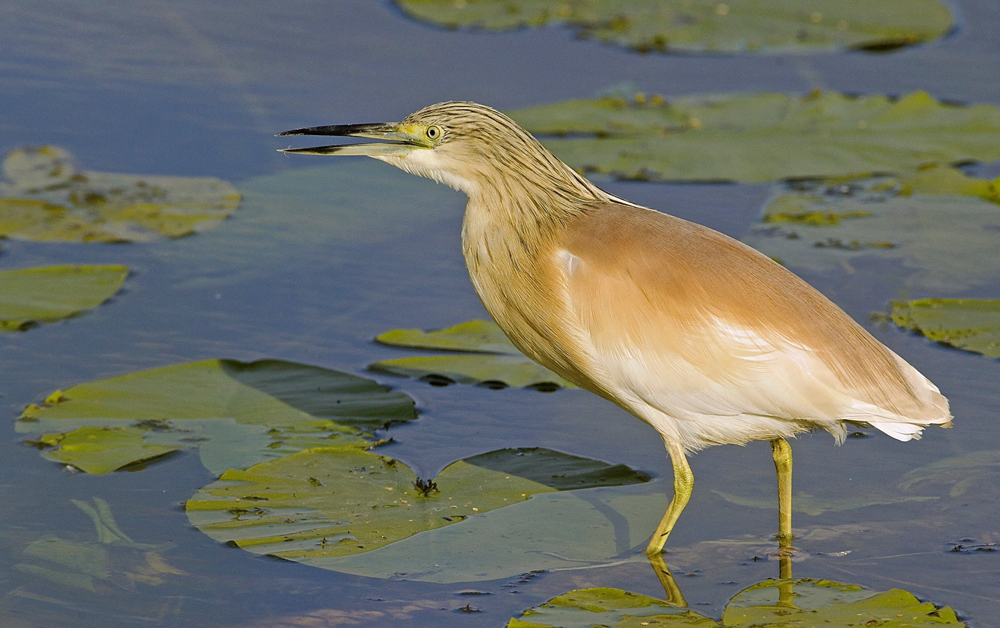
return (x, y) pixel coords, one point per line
(769, 26)
(763, 137)
(944, 241)
(236, 413)
(47, 199)
(322, 504)
(769, 604)
(101, 449)
(51, 293)
(498, 363)
(967, 324)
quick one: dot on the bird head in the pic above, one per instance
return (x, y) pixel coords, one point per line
(469, 146)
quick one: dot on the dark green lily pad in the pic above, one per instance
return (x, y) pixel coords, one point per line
(323, 505)
(967, 324)
(46, 198)
(762, 137)
(495, 361)
(769, 604)
(51, 293)
(112, 561)
(692, 26)
(945, 241)
(236, 413)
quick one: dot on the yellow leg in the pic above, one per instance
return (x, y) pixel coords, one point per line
(781, 451)
(683, 483)
(673, 592)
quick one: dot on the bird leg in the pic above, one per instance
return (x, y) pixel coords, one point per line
(683, 484)
(781, 451)
(673, 592)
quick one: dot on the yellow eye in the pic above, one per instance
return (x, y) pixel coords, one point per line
(434, 132)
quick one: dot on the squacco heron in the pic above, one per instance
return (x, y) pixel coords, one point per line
(700, 336)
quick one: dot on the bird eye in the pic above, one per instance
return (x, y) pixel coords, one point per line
(433, 132)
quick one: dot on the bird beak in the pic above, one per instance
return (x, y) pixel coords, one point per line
(401, 139)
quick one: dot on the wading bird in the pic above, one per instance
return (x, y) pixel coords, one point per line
(700, 336)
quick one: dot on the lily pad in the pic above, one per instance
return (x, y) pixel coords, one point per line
(235, 413)
(113, 560)
(693, 26)
(325, 504)
(100, 450)
(756, 137)
(945, 242)
(46, 198)
(769, 604)
(51, 293)
(495, 362)
(967, 324)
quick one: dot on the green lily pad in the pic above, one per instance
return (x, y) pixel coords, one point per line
(325, 504)
(814, 506)
(495, 362)
(235, 413)
(945, 241)
(758, 137)
(693, 26)
(46, 198)
(114, 560)
(51, 293)
(769, 604)
(967, 324)
(100, 450)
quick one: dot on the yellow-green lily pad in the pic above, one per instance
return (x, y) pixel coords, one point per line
(324, 504)
(100, 450)
(756, 137)
(708, 26)
(235, 413)
(46, 198)
(487, 357)
(768, 604)
(967, 324)
(945, 241)
(50, 293)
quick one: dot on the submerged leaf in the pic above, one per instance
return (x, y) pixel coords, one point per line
(47, 199)
(758, 137)
(114, 558)
(813, 506)
(961, 473)
(326, 503)
(768, 26)
(236, 413)
(967, 324)
(51, 293)
(502, 365)
(944, 240)
(769, 604)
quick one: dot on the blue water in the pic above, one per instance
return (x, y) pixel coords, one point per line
(199, 88)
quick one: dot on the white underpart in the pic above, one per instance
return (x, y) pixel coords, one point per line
(425, 162)
(772, 387)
